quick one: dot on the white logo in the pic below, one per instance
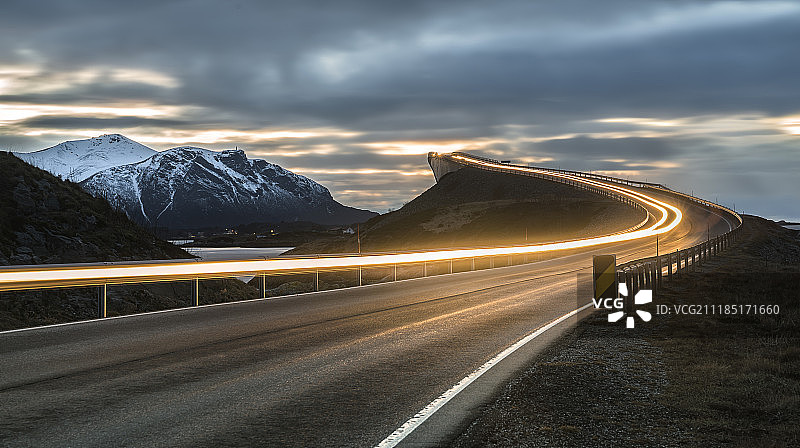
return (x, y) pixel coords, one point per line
(642, 297)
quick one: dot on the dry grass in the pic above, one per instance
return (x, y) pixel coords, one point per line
(736, 379)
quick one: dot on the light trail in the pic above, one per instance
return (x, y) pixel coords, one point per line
(68, 276)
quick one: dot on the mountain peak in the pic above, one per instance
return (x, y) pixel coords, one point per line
(77, 160)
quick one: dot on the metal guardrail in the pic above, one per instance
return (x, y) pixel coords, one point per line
(172, 271)
(650, 272)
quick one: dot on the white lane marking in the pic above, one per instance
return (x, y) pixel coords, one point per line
(408, 427)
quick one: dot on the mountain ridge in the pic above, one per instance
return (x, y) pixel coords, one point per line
(190, 187)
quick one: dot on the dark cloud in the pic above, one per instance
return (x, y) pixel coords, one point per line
(68, 122)
(418, 70)
(610, 148)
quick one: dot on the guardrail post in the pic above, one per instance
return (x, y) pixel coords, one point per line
(473, 263)
(669, 267)
(654, 265)
(316, 280)
(509, 261)
(491, 262)
(451, 265)
(688, 252)
(196, 292)
(688, 255)
(395, 272)
(629, 280)
(102, 301)
(659, 273)
(263, 286)
(359, 276)
(653, 275)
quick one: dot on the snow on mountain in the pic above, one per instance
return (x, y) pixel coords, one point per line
(78, 160)
(194, 187)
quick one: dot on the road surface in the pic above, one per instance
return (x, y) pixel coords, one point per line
(334, 368)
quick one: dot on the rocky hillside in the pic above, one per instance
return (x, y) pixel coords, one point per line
(44, 219)
(472, 207)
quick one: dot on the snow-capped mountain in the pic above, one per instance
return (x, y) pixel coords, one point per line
(189, 187)
(78, 160)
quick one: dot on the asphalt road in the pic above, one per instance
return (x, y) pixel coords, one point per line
(334, 368)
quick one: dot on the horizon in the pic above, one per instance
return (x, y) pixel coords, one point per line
(699, 96)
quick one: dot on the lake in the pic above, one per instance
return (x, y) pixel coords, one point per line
(235, 253)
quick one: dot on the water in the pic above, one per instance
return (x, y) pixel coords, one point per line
(793, 226)
(236, 253)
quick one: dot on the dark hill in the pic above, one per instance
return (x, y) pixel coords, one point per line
(44, 219)
(472, 207)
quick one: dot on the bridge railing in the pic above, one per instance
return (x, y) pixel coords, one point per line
(647, 272)
(650, 272)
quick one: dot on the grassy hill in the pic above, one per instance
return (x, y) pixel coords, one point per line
(472, 207)
(44, 219)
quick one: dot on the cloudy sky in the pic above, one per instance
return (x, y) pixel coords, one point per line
(701, 96)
